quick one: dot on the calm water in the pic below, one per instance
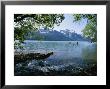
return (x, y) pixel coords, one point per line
(65, 53)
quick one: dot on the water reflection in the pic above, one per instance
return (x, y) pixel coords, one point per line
(67, 57)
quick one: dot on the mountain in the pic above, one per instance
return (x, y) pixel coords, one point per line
(53, 35)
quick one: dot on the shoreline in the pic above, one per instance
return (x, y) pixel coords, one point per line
(20, 57)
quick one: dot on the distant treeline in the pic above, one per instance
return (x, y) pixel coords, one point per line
(54, 35)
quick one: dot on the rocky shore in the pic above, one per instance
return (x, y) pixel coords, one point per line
(37, 64)
(20, 57)
(43, 68)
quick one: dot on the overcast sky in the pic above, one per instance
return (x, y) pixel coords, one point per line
(67, 23)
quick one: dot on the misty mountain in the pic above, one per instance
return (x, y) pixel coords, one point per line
(53, 35)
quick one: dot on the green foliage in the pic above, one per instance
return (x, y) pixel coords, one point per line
(90, 30)
(89, 17)
(25, 23)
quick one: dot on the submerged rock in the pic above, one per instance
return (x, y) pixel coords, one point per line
(42, 68)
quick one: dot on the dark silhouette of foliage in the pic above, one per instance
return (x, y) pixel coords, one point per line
(25, 23)
(90, 30)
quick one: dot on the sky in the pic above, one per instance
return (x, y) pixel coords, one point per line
(67, 23)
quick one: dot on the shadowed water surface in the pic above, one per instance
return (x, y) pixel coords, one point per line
(69, 58)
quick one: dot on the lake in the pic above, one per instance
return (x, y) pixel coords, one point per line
(70, 58)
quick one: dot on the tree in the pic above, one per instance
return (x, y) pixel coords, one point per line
(90, 30)
(25, 23)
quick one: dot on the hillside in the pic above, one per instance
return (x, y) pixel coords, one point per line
(53, 35)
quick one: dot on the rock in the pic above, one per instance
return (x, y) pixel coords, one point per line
(30, 56)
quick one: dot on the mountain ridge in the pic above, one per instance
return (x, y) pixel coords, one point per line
(54, 35)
